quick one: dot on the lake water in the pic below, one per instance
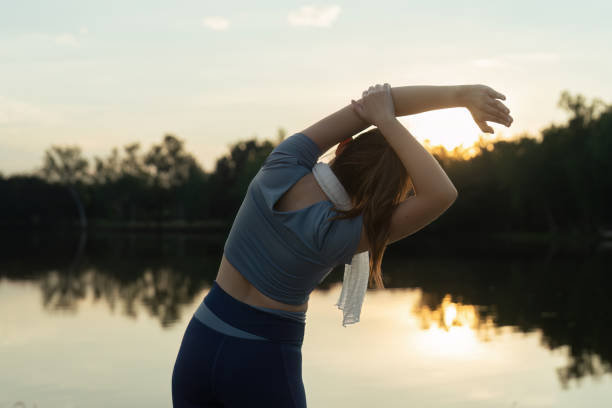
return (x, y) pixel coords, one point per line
(96, 321)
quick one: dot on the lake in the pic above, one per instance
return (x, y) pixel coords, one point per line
(96, 320)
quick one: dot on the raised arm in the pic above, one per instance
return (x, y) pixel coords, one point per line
(410, 100)
(407, 100)
(479, 99)
(334, 128)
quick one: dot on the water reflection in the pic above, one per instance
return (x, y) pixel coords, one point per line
(449, 314)
(160, 291)
(455, 327)
(462, 300)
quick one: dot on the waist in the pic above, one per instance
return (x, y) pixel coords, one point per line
(297, 316)
(253, 320)
(237, 286)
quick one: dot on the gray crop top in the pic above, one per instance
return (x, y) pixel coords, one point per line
(285, 254)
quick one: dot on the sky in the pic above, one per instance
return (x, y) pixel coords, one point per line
(106, 74)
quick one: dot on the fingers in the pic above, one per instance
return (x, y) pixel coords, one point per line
(496, 94)
(496, 119)
(484, 127)
(377, 87)
(490, 113)
(493, 113)
(501, 106)
(367, 91)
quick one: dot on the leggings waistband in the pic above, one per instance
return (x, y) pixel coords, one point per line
(248, 319)
(297, 316)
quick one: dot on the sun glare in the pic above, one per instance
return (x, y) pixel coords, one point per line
(454, 129)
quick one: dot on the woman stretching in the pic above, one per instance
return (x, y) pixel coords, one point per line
(242, 347)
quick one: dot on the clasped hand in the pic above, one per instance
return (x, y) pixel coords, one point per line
(376, 105)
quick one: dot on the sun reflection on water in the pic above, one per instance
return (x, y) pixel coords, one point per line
(452, 328)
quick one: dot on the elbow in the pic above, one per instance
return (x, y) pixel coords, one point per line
(454, 194)
(444, 197)
(449, 197)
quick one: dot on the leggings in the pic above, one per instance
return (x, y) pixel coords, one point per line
(235, 355)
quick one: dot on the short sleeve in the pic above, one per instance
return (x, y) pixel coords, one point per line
(340, 238)
(296, 148)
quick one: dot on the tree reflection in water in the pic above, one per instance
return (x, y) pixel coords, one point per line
(566, 297)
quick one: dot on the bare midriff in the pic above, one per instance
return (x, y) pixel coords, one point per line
(232, 281)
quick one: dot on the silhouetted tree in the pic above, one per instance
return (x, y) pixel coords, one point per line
(234, 172)
(169, 163)
(557, 183)
(67, 166)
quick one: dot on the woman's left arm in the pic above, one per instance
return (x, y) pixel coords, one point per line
(480, 100)
(413, 99)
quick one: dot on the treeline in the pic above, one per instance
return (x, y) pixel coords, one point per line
(165, 183)
(559, 182)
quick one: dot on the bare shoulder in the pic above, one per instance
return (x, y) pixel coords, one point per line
(302, 194)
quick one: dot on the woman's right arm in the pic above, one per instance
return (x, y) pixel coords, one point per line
(428, 177)
(434, 192)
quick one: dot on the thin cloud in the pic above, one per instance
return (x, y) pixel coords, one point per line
(535, 56)
(511, 60)
(66, 39)
(488, 63)
(17, 113)
(314, 16)
(215, 23)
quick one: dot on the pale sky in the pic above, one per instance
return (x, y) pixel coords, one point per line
(102, 74)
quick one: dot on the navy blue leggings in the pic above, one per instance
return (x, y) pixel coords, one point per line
(235, 355)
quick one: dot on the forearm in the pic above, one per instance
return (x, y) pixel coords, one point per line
(409, 100)
(428, 177)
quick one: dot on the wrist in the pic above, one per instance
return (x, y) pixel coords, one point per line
(385, 122)
(459, 95)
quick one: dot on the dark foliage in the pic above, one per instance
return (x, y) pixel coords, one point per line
(557, 182)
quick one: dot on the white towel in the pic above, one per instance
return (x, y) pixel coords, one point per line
(355, 282)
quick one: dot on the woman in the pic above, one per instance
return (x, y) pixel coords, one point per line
(243, 345)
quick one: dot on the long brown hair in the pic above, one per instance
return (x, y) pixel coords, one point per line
(376, 181)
